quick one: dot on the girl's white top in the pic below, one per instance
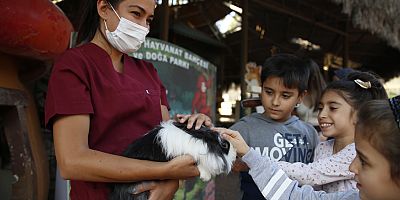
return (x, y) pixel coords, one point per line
(329, 172)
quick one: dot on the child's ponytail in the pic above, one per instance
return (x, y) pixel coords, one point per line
(358, 87)
(376, 91)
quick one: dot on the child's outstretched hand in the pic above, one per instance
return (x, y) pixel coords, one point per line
(235, 138)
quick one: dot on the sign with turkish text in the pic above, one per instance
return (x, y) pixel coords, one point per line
(189, 79)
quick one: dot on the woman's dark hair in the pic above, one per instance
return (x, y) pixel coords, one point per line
(289, 68)
(316, 82)
(377, 125)
(353, 93)
(90, 20)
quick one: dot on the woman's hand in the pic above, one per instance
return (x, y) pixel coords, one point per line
(158, 189)
(182, 167)
(235, 138)
(199, 118)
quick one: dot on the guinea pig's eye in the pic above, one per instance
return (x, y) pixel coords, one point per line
(224, 144)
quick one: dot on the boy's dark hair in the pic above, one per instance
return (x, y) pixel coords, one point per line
(376, 123)
(289, 68)
(90, 20)
(353, 93)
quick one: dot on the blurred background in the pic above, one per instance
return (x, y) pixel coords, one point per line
(224, 44)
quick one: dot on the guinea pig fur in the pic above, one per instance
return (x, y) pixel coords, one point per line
(212, 154)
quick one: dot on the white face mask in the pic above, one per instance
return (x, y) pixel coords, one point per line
(128, 36)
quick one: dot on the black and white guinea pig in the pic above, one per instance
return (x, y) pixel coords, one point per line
(212, 154)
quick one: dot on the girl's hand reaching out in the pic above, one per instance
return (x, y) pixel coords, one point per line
(235, 138)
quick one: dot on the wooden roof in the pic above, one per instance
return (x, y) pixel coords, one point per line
(319, 21)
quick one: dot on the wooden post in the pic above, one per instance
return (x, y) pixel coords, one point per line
(164, 22)
(245, 49)
(346, 46)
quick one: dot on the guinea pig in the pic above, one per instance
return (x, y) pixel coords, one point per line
(213, 154)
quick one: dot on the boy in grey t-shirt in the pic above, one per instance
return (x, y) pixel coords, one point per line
(276, 133)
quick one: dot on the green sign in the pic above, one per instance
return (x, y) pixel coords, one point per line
(189, 79)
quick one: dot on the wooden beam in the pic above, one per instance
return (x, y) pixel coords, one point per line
(346, 47)
(208, 23)
(273, 6)
(189, 15)
(325, 12)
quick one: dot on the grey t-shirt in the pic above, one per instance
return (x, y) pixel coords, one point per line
(290, 141)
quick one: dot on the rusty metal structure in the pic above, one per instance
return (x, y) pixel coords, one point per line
(32, 34)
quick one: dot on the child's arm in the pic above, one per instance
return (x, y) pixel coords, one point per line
(323, 171)
(243, 128)
(272, 181)
(275, 184)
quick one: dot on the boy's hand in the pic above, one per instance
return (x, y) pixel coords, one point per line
(235, 138)
(239, 166)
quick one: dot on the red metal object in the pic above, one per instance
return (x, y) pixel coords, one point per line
(33, 28)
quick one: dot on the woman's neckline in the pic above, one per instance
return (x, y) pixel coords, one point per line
(109, 59)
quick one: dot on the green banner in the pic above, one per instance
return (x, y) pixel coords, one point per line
(189, 79)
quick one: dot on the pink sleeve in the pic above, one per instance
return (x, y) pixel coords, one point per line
(325, 170)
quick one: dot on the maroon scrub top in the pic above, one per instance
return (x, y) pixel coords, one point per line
(122, 106)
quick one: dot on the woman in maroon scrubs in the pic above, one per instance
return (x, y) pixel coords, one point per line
(99, 100)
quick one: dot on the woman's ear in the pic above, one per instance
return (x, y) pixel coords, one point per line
(102, 9)
(301, 96)
(305, 93)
